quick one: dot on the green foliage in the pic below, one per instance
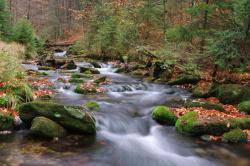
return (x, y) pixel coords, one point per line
(163, 115)
(24, 34)
(5, 26)
(92, 105)
(245, 107)
(235, 136)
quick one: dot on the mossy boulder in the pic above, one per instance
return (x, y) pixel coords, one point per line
(71, 117)
(85, 90)
(245, 106)
(202, 90)
(235, 136)
(204, 104)
(100, 80)
(192, 124)
(76, 80)
(46, 68)
(69, 66)
(91, 105)
(163, 115)
(80, 75)
(45, 127)
(6, 121)
(231, 93)
(185, 79)
(90, 70)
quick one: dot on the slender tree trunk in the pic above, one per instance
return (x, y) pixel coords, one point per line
(164, 17)
(205, 24)
(29, 6)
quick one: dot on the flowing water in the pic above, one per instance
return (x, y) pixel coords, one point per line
(126, 136)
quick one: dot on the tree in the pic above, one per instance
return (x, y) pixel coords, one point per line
(5, 28)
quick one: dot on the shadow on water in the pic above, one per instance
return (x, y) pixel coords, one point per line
(126, 136)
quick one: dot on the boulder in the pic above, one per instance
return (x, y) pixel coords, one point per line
(80, 75)
(202, 89)
(6, 121)
(192, 124)
(90, 70)
(245, 106)
(45, 68)
(185, 79)
(234, 136)
(69, 66)
(76, 80)
(163, 115)
(204, 104)
(45, 127)
(96, 65)
(70, 117)
(231, 93)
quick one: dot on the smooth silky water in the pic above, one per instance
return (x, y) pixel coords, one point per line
(126, 134)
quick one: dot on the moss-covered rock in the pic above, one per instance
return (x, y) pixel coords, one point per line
(204, 104)
(80, 75)
(69, 66)
(202, 90)
(231, 93)
(70, 117)
(45, 127)
(76, 80)
(90, 70)
(45, 68)
(184, 79)
(100, 80)
(163, 115)
(92, 105)
(234, 136)
(6, 121)
(192, 124)
(245, 106)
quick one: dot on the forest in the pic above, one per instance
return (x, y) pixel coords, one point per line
(124, 82)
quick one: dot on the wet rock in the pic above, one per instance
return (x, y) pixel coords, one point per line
(234, 136)
(96, 65)
(231, 93)
(184, 79)
(6, 121)
(163, 115)
(71, 117)
(191, 124)
(69, 66)
(245, 106)
(45, 127)
(204, 104)
(90, 70)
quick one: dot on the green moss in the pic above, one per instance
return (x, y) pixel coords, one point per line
(76, 80)
(81, 90)
(80, 75)
(232, 93)
(184, 79)
(245, 106)
(69, 66)
(163, 115)
(235, 136)
(6, 121)
(45, 68)
(41, 73)
(3, 101)
(89, 70)
(71, 117)
(243, 123)
(204, 104)
(92, 105)
(43, 126)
